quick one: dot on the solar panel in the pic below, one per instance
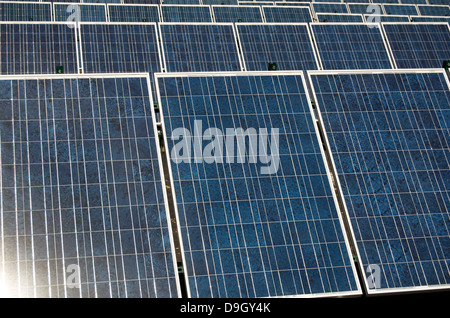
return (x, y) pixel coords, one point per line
(414, 2)
(400, 9)
(182, 2)
(287, 14)
(103, 1)
(329, 7)
(199, 47)
(25, 11)
(141, 1)
(338, 17)
(358, 1)
(89, 12)
(133, 13)
(186, 13)
(329, 1)
(434, 10)
(237, 13)
(292, 3)
(246, 233)
(438, 2)
(418, 45)
(389, 139)
(223, 2)
(421, 18)
(37, 48)
(289, 46)
(254, 3)
(386, 1)
(350, 46)
(82, 197)
(120, 48)
(386, 18)
(359, 8)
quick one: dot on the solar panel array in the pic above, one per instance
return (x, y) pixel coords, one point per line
(82, 192)
(336, 167)
(390, 149)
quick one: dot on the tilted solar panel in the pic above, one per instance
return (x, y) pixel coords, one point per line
(83, 201)
(386, 18)
(199, 47)
(237, 13)
(329, 7)
(350, 46)
(289, 46)
(388, 133)
(439, 11)
(24, 11)
(338, 17)
(400, 9)
(120, 48)
(251, 227)
(418, 45)
(287, 14)
(186, 13)
(88, 12)
(421, 18)
(133, 13)
(38, 48)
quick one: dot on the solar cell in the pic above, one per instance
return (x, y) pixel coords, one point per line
(246, 233)
(418, 45)
(25, 11)
(37, 48)
(89, 12)
(389, 139)
(82, 196)
(133, 13)
(237, 13)
(414, 1)
(287, 14)
(400, 9)
(338, 17)
(289, 46)
(350, 46)
(186, 13)
(199, 47)
(434, 10)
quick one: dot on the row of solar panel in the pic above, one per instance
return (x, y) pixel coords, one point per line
(85, 214)
(245, 2)
(35, 48)
(22, 11)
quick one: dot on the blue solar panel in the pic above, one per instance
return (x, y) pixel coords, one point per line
(120, 48)
(133, 13)
(182, 2)
(227, 2)
(338, 17)
(414, 2)
(360, 8)
(237, 13)
(420, 18)
(386, 1)
(17, 11)
(83, 209)
(103, 1)
(287, 14)
(142, 1)
(359, 1)
(38, 48)
(186, 13)
(400, 9)
(418, 45)
(434, 10)
(288, 45)
(199, 47)
(389, 138)
(245, 233)
(438, 2)
(350, 46)
(386, 18)
(88, 12)
(330, 7)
